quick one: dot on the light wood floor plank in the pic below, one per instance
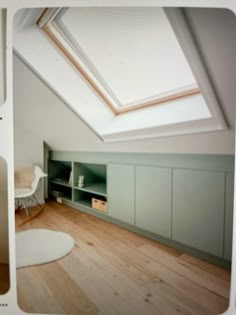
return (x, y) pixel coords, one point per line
(112, 271)
(188, 271)
(217, 271)
(34, 294)
(71, 296)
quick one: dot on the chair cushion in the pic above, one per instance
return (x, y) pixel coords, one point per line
(24, 177)
(23, 192)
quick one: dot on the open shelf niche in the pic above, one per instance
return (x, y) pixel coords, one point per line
(60, 179)
(94, 183)
(63, 182)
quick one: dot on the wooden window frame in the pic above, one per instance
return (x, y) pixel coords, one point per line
(45, 22)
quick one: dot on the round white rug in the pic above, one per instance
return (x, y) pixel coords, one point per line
(40, 246)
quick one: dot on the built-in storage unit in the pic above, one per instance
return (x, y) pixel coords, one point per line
(121, 192)
(153, 202)
(59, 183)
(64, 179)
(94, 183)
(185, 201)
(198, 209)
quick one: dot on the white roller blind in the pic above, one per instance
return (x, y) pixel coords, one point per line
(134, 50)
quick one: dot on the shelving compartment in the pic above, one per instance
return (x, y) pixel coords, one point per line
(59, 183)
(86, 199)
(58, 190)
(94, 178)
(94, 185)
(63, 182)
(59, 172)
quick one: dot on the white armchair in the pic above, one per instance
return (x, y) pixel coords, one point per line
(27, 193)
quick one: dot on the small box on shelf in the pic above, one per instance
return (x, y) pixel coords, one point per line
(103, 206)
(100, 205)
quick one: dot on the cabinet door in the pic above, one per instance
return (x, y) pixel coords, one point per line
(153, 199)
(198, 209)
(229, 206)
(120, 183)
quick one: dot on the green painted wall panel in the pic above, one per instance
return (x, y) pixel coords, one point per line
(198, 209)
(229, 206)
(153, 200)
(184, 161)
(120, 186)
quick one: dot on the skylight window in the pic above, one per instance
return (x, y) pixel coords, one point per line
(79, 71)
(130, 60)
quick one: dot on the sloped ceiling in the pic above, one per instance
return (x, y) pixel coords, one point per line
(40, 111)
(214, 32)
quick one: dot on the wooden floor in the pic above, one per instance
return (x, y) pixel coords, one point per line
(114, 271)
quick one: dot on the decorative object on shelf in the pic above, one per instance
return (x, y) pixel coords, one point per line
(81, 181)
(100, 205)
(70, 178)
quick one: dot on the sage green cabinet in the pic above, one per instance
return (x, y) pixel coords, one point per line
(229, 206)
(184, 198)
(153, 199)
(120, 186)
(198, 209)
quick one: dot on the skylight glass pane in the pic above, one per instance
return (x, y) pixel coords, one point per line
(133, 51)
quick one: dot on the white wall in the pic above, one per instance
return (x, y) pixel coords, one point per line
(3, 166)
(3, 213)
(2, 56)
(28, 149)
(39, 110)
